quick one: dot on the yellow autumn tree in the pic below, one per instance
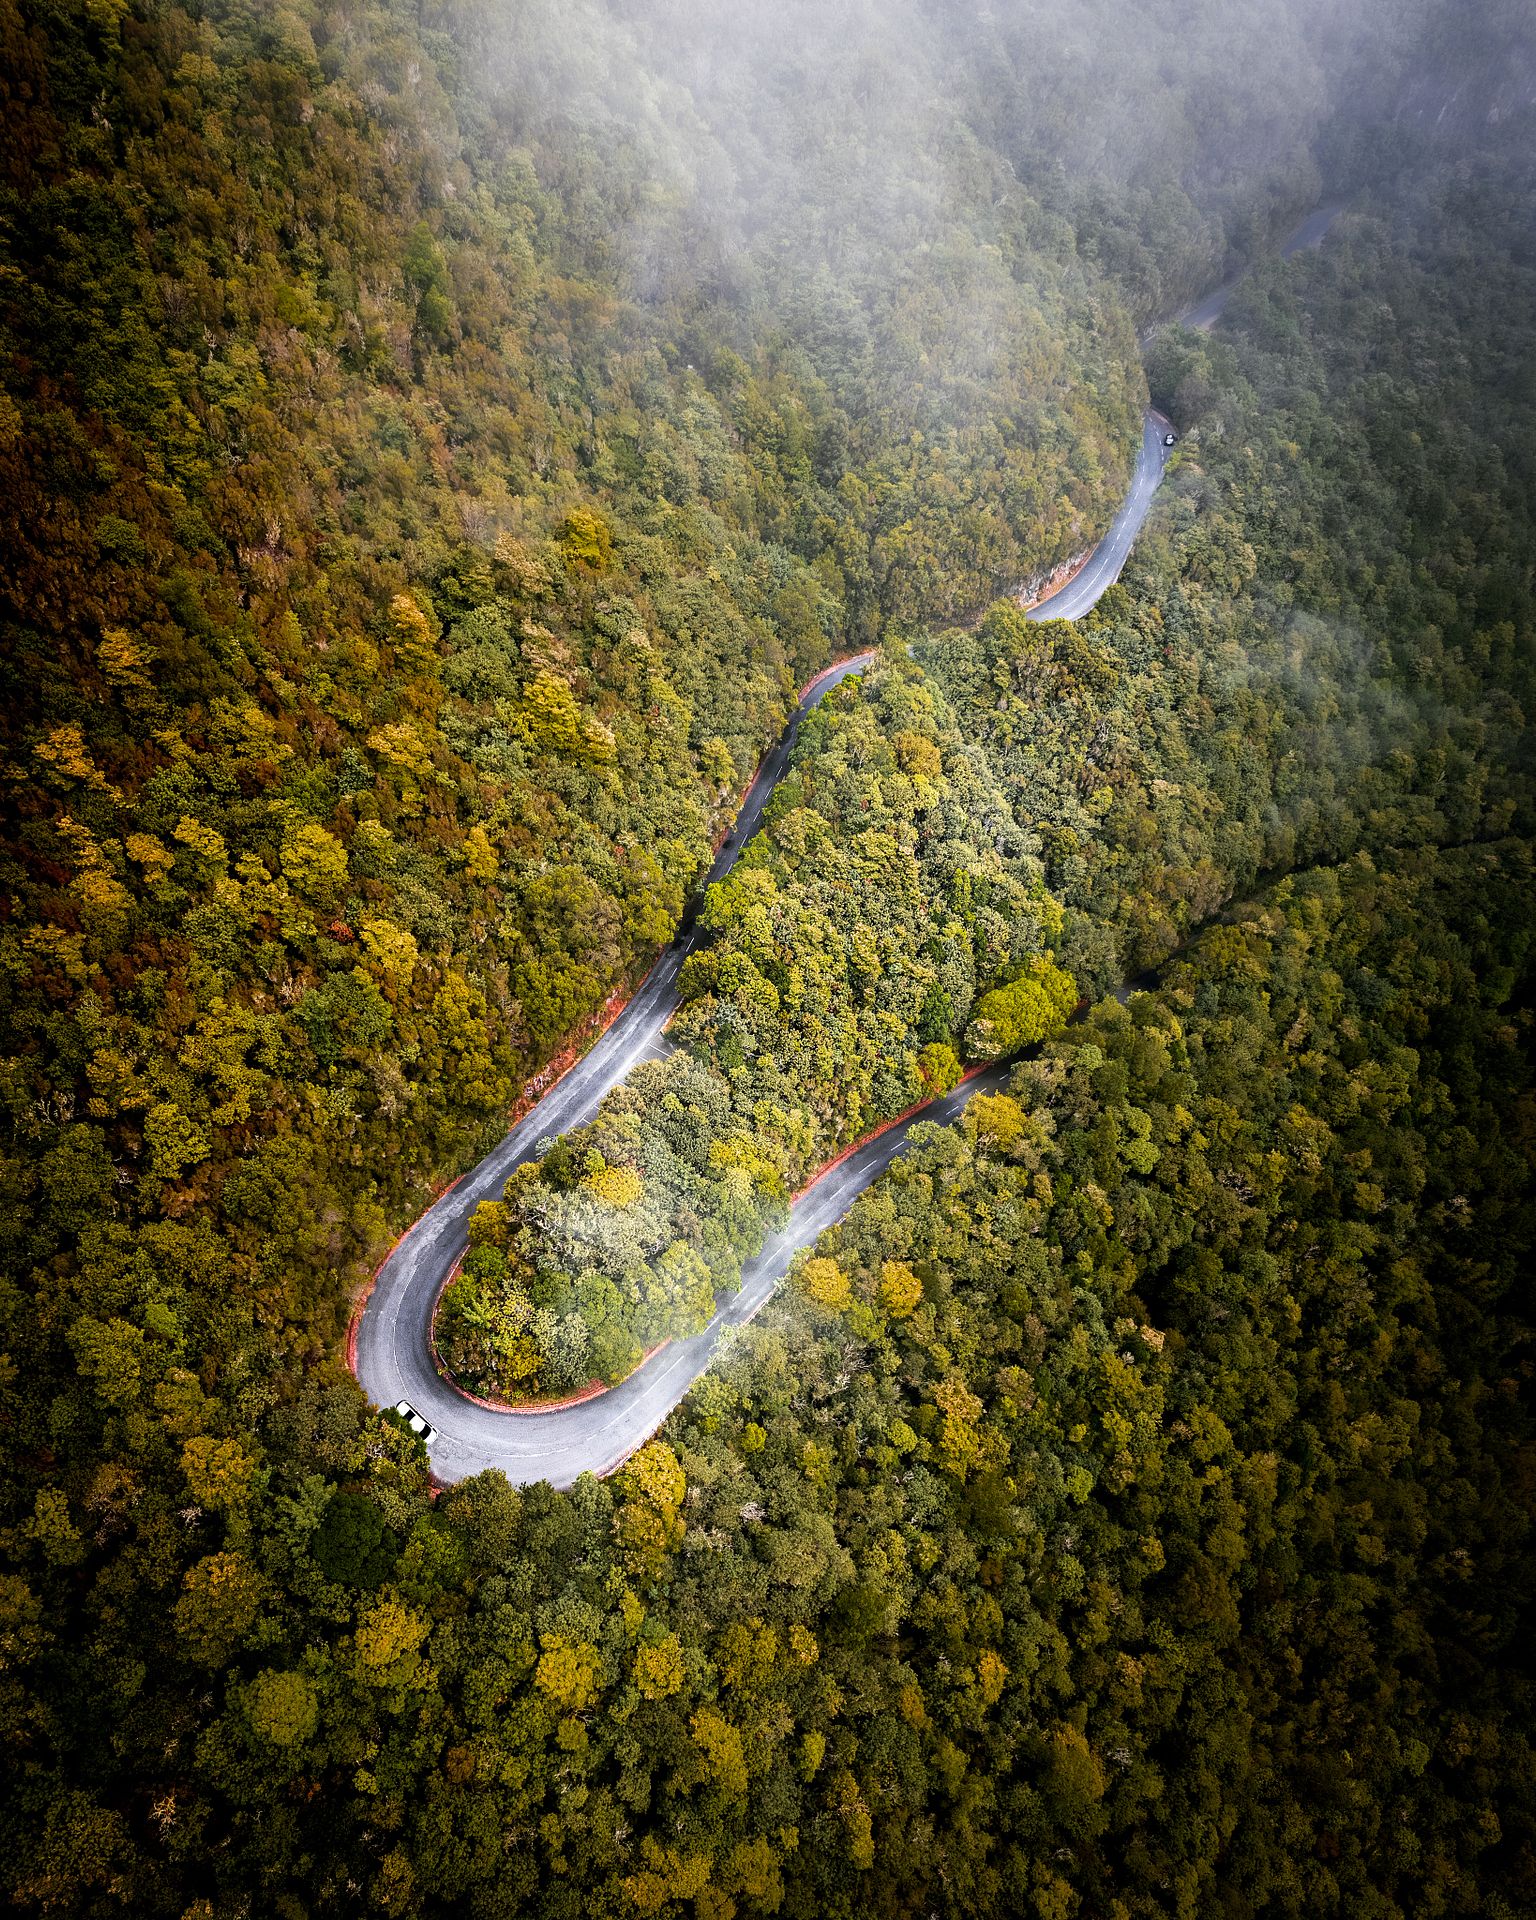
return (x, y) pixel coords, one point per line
(124, 661)
(551, 715)
(481, 861)
(586, 540)
(648, 1525)
(390, 951)
(218, 1472)
(388, 1642)
(410, 634)
(64, 754)
(724, 1756)
(959, 1440)
(994, 1121)
(824, 1281)
(614, 1186)
(149, 853)
(569, 1671)
(282, 1707)
(314, 861)
(173, 1141)
(900, 1291)
(659, 1668)
(220, 1599)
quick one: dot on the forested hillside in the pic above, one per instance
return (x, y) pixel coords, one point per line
(1322, 642)
(394, 610)
(435, 443)
(1294, 696)
(1150, 1458)
(883, 924)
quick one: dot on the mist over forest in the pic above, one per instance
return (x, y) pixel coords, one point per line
(766, 973)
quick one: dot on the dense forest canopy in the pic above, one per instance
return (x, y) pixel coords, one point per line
(436, 442)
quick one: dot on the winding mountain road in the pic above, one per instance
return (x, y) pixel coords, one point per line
(1304, 239)
(392, 1351)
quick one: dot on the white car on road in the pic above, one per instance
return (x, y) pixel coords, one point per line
(424, 1431)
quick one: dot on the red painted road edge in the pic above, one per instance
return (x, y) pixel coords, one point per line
(884, 1127)
(445, 1373)
(1053, 585)
(864, 653)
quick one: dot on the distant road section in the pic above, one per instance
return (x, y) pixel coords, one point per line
(1309, 236)
(393, 1348)
(1104, 567)
(1305, 239)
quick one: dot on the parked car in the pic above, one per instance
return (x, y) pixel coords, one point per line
(424, 1431)
(1169, 438)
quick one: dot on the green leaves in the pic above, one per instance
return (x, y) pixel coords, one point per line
(1127, 1513)
(352, 1544)
(1027, 1010)
(283, 1708)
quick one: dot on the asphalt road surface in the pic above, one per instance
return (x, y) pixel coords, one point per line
(1306, 238)
(1103, 569)
(1309, 236)
(1104, 564)
(393, 1348)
